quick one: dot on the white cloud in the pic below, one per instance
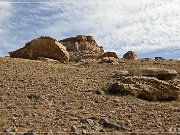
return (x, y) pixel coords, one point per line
(140, 25)
(118, 25)
(5, 13)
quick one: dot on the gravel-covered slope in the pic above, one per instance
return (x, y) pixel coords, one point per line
(61, 98)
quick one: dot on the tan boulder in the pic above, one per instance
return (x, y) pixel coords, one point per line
(130, 55)
(162, 74)
(42, 47)
(109, 54)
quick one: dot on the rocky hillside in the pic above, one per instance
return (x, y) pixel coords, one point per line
(52, 97)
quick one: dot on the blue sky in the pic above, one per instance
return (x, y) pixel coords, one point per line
(149, 27)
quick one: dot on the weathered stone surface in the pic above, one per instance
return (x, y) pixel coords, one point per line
(147, 88)
(130, 55)
(82, 47)
(162, 74)
(109, 60)
(81, 38)
(91, 39)
(109, 54)
(42, 47)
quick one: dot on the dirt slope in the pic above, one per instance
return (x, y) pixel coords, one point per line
(61, 98)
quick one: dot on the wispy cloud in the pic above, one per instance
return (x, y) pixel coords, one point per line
(5, 13)
(143, 26)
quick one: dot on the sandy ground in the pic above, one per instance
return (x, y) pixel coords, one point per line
(47, 97)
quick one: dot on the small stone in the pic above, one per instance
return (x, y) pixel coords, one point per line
(100, 92)
(90, 121)
(84, 132)
(10, 131)
(30, 133)
(73, 129)
(33, 97)
(106, 123)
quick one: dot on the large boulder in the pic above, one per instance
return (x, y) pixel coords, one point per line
(146, 88)
(162, 74)
(130, 55)
(109, 54)
(42, 47)
(82, 47)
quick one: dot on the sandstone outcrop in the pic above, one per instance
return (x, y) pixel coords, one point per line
(42, 47)
(109, 54)
(146, 88)
(82, 47)
(130, 55)
(162, 74)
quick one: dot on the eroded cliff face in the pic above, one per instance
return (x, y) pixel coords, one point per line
(42, 47)
(82, 47)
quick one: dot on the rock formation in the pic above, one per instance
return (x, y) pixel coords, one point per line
(146, 88)
(130, 55)
(42, 47)
(82, 47)
(162, 74)
(109, 54)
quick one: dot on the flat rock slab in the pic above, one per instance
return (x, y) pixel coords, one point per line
(146, 88)
(162, 74)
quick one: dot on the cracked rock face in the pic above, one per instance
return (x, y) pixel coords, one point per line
(42, 47)
(82, 47)
(147, 88)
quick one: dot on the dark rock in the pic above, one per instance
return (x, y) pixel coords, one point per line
(33, 97)
(106, 123)
(159, 58)
(30, 133)
(118, 89)
(73, 129)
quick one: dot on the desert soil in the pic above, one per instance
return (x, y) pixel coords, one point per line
(49, 97)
